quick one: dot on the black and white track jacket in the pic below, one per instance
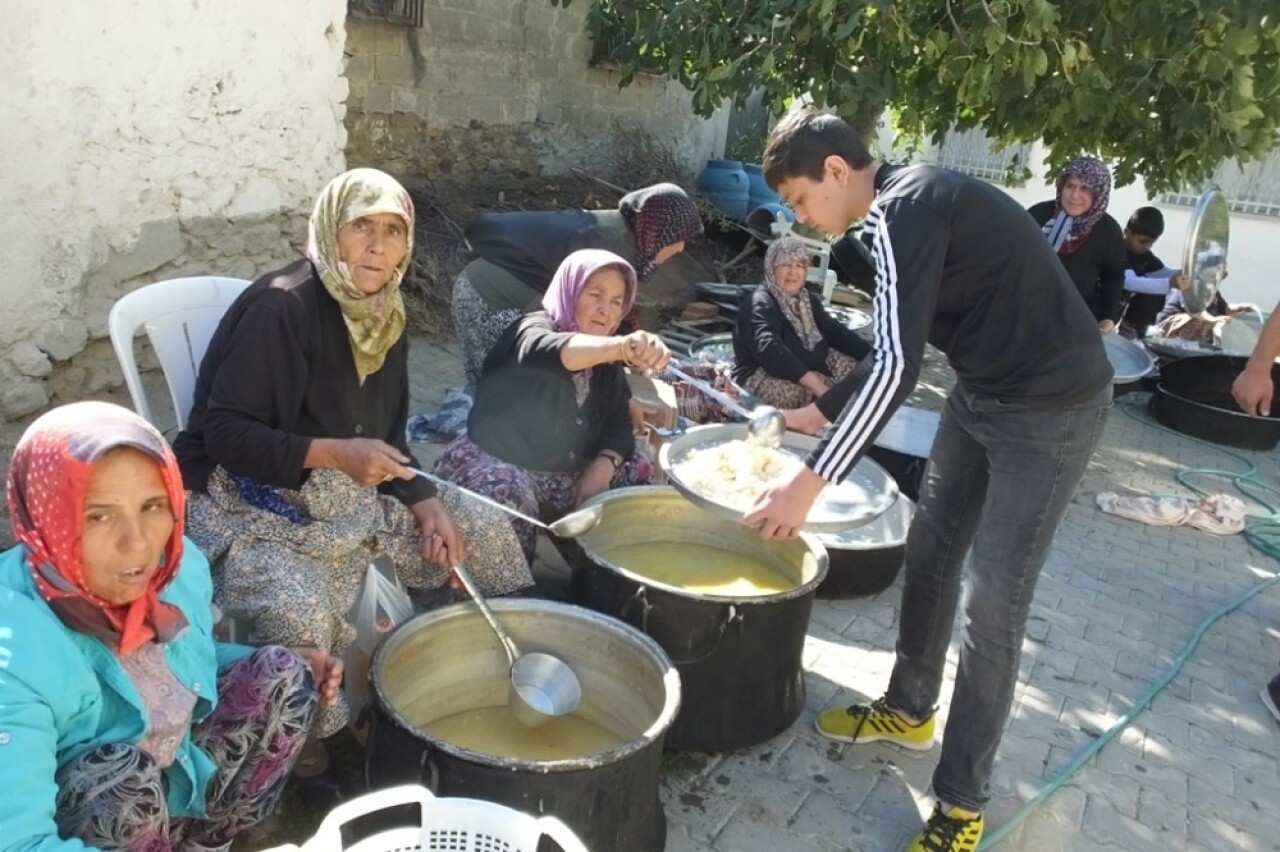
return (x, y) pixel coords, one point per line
(961, 265)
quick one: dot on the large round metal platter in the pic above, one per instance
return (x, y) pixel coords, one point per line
(851, 318)
(1204, 257)
(1129, 361)
(866, 493)
(717, 347)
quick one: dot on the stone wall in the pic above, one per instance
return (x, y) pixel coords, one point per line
(147, 139)
(504, 86)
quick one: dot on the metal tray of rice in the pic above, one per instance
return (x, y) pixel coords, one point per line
(716, 468)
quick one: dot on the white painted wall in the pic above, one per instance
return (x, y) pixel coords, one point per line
(146, 139)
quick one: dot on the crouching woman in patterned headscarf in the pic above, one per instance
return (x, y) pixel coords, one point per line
(787, 350)
(123, 724)
(550, 426)
(296, 452)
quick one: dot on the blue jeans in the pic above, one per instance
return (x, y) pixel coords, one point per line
(997, 484)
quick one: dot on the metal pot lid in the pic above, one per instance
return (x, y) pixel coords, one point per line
(1204, 255)
(1129, 360)
(865, 494)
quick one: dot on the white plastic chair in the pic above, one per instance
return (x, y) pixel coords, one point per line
(179, 316)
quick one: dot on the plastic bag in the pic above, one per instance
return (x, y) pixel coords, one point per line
(381, 604)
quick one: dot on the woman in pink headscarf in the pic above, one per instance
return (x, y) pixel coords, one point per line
(1088, 241)
(550, 425)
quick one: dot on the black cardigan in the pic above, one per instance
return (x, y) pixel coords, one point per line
(763, 339)
(1097, 266)
(525, 411)
(279, 372)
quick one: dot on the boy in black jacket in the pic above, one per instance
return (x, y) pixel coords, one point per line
(1147, 281)
(958, 264)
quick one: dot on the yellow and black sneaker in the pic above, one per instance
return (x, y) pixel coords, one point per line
(866, 723)
(957, 830)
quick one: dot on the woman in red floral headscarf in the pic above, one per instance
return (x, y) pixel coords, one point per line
(1088, 241)
(124, 725)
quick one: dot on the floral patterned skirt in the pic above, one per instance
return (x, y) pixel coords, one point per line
(113, 796)
(295, 583)
(781, 393)
(477, 324)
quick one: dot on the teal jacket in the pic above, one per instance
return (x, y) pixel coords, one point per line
(63, 692)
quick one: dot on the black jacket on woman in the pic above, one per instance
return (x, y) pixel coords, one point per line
(279, 373)
(763, 339)
(1097, 266)
(526, 412)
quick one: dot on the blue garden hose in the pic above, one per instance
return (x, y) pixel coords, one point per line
(1261, 531)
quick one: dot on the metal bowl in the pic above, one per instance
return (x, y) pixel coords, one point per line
(718, 347)
(1129, 361)
(865, 494)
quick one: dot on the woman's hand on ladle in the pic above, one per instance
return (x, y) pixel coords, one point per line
(645, 351)
(441, 543)
(368, 461)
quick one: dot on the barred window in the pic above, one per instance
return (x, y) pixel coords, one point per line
(973, 152)
(391, 11)
(1249, 188)
(625, 19)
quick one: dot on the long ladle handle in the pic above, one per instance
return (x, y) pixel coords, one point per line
(480, 497)
(509, 646)
(722, 398)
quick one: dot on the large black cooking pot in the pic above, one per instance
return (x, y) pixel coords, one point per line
(1194, 397)
(739, 658)
(448, 661)
(865, 560)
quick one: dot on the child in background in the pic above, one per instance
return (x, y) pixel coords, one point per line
(1147, 281)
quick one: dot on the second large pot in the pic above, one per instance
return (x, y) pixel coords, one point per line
(1194, 397)
(739, 658)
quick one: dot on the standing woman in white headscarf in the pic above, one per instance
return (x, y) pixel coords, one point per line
(1088, 241)
(296, 449)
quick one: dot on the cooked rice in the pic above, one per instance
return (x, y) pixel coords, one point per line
(734, 473)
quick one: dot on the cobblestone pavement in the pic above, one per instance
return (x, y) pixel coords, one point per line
(1116, 603)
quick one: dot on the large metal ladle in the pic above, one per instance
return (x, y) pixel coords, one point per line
(571, 525)
(765, 424)
(544, 683)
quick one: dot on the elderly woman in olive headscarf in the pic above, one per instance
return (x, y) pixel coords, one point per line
(550, 426)
(296, 446)
(1088, 241)
(516, 255)
(787, 349)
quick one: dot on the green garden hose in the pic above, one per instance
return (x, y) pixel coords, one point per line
(1261, 531)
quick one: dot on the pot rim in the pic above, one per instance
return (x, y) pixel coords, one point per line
(1269, 420)
(811, 541)
(657, 729)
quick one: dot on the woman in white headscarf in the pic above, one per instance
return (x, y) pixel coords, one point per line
(787, 349)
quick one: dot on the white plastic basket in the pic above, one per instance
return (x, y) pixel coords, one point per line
(448, 825)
